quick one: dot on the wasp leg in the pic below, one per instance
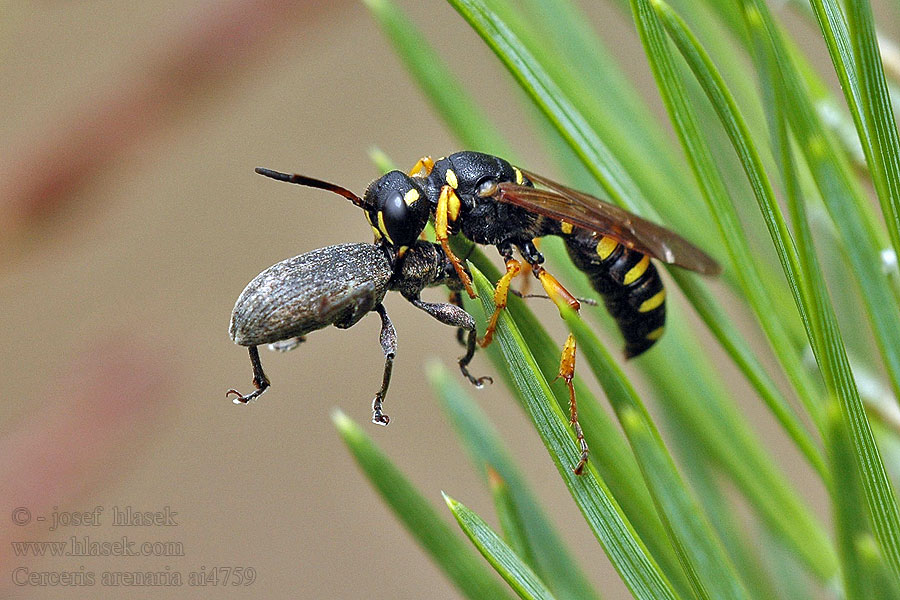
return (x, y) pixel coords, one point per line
(388, 339)
(456, 300)
(424, 165)
(567, 372)
(532, 256)
(260, 381)
(555, 290)
(456, 317)
(520, 294)
(501, 290)
(562, 297)
(447, 210)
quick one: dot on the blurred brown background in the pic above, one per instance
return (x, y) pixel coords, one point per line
(131, 219)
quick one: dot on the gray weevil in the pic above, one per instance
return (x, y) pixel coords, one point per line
(338, 285)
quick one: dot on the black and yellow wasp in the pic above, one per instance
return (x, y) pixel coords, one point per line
(492, 202)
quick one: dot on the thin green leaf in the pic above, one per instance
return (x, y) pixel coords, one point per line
(687, 384)
(625, 549)
(540, 544)
(702, 557)
(826, 341)
(879, 142)
(716, 194)
(881, 128)
(876, 577)
(612, 458)
(593, 153)
(509, 565)
(850, 522)
(511, 522)
(451, 554)
(709, 489)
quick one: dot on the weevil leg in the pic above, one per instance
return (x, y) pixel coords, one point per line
(259, 380)
(456, 300)
(501, 291)
(456, 317)
(447, 210)
(424, 165)
(567, 372)
(388, 340)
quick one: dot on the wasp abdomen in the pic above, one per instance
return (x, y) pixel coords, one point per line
(629, 284)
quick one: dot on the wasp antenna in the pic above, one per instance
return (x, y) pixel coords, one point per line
(310, 182)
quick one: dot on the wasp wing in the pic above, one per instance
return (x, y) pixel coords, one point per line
(583, 210)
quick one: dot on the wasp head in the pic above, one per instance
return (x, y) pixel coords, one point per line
(397, 208)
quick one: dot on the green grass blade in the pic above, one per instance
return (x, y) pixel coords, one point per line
(626, 551)
(716, 194)
(704, 560)
(436, 79)
(826, 340)
(688, 385)
(844, 199)
(584, 141)
(511, 522)
(878, 113)
(462, 566)
(612, 457)
(497, 552)
(743, 550)
(851, 524)
(544, 550)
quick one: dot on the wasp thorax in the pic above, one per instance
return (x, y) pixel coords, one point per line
(398, 208)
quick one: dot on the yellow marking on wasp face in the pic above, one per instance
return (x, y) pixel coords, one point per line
(369, 218)
(653, 301)
(402, 250)
(566, 227)
(411, 196)
(605, 247)
(656, 333)
(637, 270)
(377, 233)
(519, 177)
(453, 205)
(451, 179)
(383, 228)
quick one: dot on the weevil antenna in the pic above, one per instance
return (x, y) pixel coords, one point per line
(310, 182)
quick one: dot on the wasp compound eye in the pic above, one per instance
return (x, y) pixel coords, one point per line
(401, 208)
(399, 220)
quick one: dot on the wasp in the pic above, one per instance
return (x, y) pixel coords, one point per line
(339, 285)
(492, 202)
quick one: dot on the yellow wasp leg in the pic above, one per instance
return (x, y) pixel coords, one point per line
(555, 290)
(448, 203)
(500, 293)
(425, 165)
(567, 372)
(562, 297)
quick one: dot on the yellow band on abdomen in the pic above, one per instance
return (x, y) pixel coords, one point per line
(637, 270)
(605, 247)
(653, 302)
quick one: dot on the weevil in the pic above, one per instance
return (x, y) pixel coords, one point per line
(339, 285)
